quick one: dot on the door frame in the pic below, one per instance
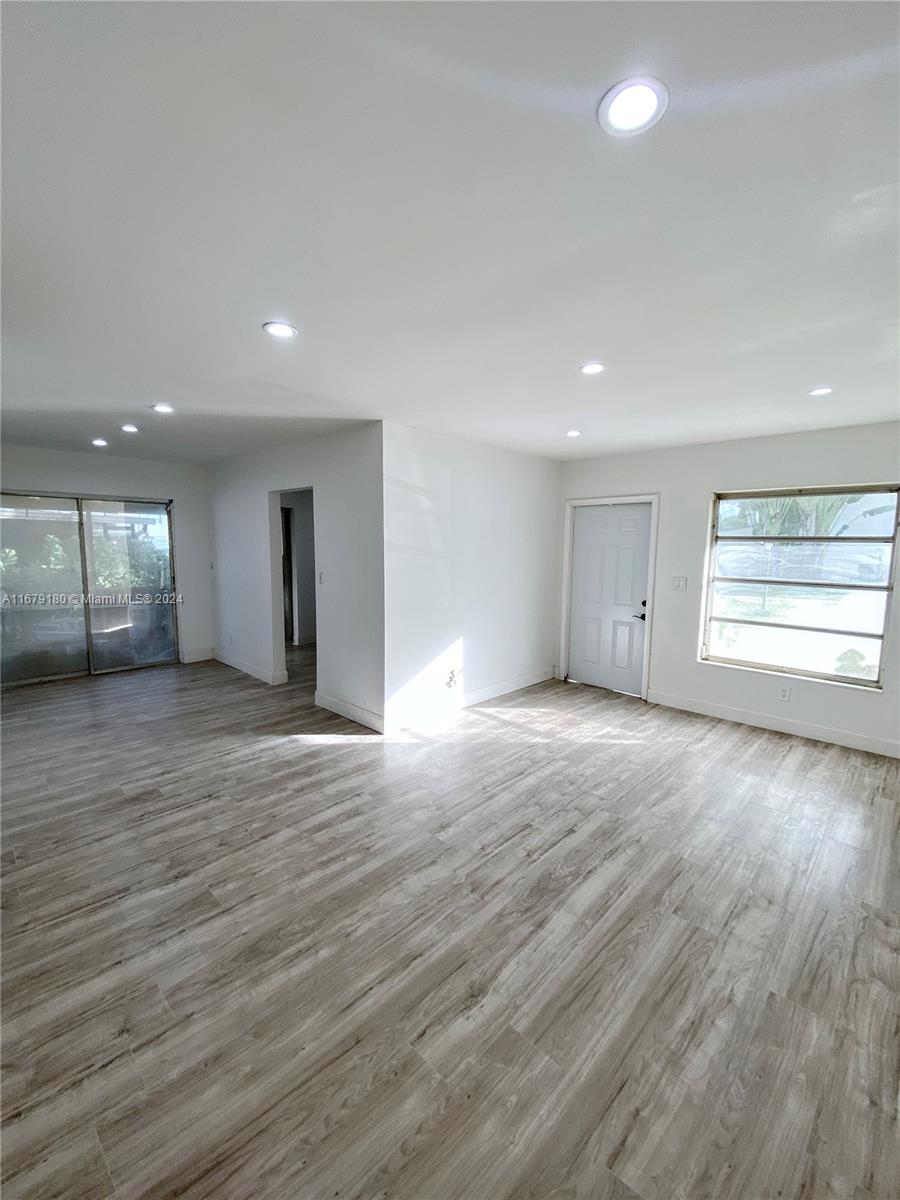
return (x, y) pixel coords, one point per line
(279, 673)
(651, 498)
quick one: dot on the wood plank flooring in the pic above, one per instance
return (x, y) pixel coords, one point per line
(576, 948)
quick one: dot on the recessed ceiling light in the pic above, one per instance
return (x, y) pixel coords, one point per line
(163, 408)
(574, 433)
(99, 442)
(130, 429)
(280, 329)
(633, 105)
(821, 391)
(592, 368)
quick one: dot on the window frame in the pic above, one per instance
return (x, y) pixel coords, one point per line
(711, 578)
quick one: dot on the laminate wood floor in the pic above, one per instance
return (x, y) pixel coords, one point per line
(577, 947)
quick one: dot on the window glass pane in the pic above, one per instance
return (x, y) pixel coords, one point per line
(823, 653)
(826, 608)
(825, 562)
(40, 589)
(858, 514)
(127, 551)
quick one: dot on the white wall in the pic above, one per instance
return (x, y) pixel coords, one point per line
(344, 471)
(470, 541)
(442, 555)
(685, 479)
(31, 469)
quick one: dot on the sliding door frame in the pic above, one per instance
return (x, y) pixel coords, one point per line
(84, 587)
(79, 498)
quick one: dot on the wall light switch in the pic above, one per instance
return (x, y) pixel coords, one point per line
(321, 577)
(679, 583)
(784, 693)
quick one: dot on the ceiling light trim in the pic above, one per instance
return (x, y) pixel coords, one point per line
(282, 330)
(613, 116)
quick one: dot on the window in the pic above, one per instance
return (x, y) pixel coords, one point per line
(800, 581)
(85, 585)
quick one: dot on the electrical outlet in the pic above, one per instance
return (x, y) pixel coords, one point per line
(321, 577)
(784, 693)
(679, 583)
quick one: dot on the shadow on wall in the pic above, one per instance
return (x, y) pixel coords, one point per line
(424, 680)
(470, 546)
(431, 699)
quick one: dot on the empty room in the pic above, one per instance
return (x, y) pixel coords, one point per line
(448, 540)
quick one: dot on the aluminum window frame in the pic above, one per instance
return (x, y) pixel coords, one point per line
(80, 498)
(711, 578)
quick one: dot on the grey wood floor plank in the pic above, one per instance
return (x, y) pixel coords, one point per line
(769, 1110)
(572, 947)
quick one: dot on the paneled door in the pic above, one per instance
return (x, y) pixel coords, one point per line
(608, 606)
(131, 583)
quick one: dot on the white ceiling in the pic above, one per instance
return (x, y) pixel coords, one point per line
(424, 190)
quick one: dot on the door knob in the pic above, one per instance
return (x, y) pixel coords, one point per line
(639, 616)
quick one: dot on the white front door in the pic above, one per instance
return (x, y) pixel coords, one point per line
(608, 610)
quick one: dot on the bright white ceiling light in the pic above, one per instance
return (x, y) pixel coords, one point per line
(163, 408)
(821, 391)
(592, 368)
(130, 429)
(633, 105)
(99, 442)
(574, 433)
(279, 329)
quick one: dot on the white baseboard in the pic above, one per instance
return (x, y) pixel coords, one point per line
(354, 712)
(508, 685)
(819, 733)
(192, 656)
(267, 676)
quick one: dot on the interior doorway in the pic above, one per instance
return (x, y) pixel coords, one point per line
(608, 585)
(287, 572)
(298, 578)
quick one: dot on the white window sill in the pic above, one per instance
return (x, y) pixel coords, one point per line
(856, 685)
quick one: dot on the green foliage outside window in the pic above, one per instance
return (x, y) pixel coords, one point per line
(135, 561)
(807, 516)
(122, 561)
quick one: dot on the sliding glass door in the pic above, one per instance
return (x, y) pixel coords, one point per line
(87, 585)
(130, 583)
(41, 615)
